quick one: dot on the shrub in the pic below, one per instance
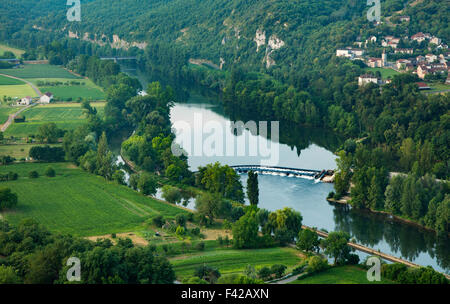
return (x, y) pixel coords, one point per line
(200, 246)
(50, 172)
(278, 270)
(180, 231)
(33, 174)
(316, 264)
(195, 231)
(158, 221)
(264, 273)
(180, 219)
(12, 176)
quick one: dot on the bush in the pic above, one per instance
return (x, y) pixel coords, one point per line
(33, 174)
(12, 176)
(180, 219)
(195, 231)
(200, 246)
(50, 172)
(330, 195)
(278, 270)
(264, 273)
(158, 221)
(316, 264)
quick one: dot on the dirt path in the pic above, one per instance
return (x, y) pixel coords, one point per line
(12, 116)
(38, 92)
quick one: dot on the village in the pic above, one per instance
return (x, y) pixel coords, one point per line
(422, 54)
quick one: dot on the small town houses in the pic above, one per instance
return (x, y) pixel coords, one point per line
(46, 98)
(28, 100)
(421, 65)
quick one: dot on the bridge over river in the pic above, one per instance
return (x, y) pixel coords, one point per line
(283, 171)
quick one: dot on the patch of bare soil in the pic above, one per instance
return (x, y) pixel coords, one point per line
(137, 240)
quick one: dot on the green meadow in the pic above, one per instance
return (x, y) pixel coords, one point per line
(385, 72)
(5, 111)
(229, 260)
(4, 48)
(18, 151)
(9, 81)
(66, 91)
(66, 116)
(39, 71)
(79, 203)
(340, 275)
(16, 90)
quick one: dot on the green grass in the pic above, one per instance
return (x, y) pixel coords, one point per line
(340, 275)
(385, 73)
(66, 116)
(439, 86)
(234, 261)
(5, 111)
(87, 90)
(9, 81)
(17, 52)
(17, 151)
(39, 71)
(79, 203)
(16, 90)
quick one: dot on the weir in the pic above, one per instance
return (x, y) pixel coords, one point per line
(283, 171)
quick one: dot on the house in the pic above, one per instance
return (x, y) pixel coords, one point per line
(367, 78)
(26, 101)
(431, 58)
(404, 18)
(404, 51)
(344, 53)
(392, 44)
(401, 63)
(423, 86)
(423, 69)
(374, 62)
(436, 40)
(46, 98)
(419, 37)
(420, 59)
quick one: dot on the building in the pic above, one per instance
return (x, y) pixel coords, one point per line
(436, 40)
(349, 53)
(404, 51)
(419, 37)
(404, 18)
(401, 63)
(424, 69)
(423, 86)
(431, 58)
(367, 78)
(46, 98)
(26, 101)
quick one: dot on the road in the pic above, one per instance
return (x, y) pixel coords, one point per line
(12, 116)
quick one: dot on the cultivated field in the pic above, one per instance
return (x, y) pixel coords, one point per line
(66, 116)
(5, 111)
(18, 91)
(39, 71)
(9, 81)
(79, 203)
(18, 151)
(86, 90)
(229, 260)
(340, 275)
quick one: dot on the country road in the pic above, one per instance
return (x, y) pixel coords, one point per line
(12, 116)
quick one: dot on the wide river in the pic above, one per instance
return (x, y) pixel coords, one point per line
(307, 149)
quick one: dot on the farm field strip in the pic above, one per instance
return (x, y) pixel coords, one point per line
(39, 71)
(59, 204)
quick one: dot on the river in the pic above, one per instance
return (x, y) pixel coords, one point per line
(308, 149)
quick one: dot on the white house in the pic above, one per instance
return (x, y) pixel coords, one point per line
(367, 78)
(46, 98)
(26, 101)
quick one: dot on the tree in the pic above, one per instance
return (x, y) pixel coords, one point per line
(252, 188)
(285, 224)
(147, 184)
(207, 205)
(307, 240)
(207, 273)
(50, 172)
(336, 246)
(245, 231)
(104, 163)
(49, 133)
(343, 174)
(8, 275)
(171, 194)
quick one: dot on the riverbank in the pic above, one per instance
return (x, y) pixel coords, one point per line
(346, 201)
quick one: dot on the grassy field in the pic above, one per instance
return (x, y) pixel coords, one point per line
(439, 86)
(39, 71)
(79, 203)
(66, 116)
(86, 90)
(17, 151)
(17, 52)
(18, 91)
(5, 111)
(234, 261)
(385, 73)
(340, 275)
(9, 81)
